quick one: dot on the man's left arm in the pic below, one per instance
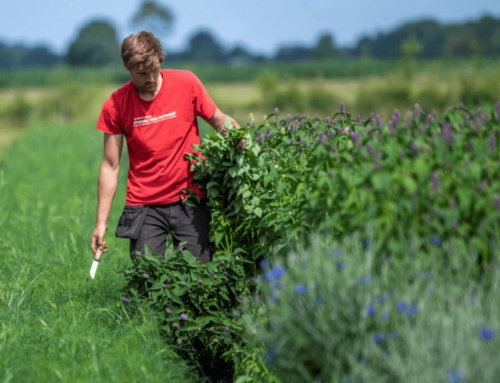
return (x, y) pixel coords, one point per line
(217, 122)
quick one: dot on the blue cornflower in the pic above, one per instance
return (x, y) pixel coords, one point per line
(277, 285)
(277, 272)
(382, 299)
(370, 310)
(412, 310)
(340, 265)
(401, 307)
(319, 299)
(271, 354)
(472, 300)
(393, 335)
(378, 337)
(300, 288)
(385, 315)
(487, 333)
(436, 240)
(264, 263)
(337, 252)
(367, 243)
(455, 376)
(303, 265)
(365, 280)
(428, 275)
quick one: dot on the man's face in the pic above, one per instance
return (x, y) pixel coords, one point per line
(145, 79)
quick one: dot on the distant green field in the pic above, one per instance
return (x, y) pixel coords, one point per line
(224, 73)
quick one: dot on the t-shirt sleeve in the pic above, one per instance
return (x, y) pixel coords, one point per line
(203, 105)
(109, 119)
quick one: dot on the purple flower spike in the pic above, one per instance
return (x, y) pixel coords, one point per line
(216, 340)
(492, 142)
(324, 140)
(469, 145)
(125, 300)
(184, 317)
(356, 139)
(369, 149)
(179, 340)
(298, 115)
(292, 142)
(460, 106)
(358, 118)
(447, 133)
(342, 108)
(333, 149)
(168, 311)
(430, 119)
(372, 116)
(327, 120)
(145, 276)
(221, 262)
(334, 122)
(176, 325)
(497, 202)
(200, 282)
(330, 174)
(302, 125)
(289, 117)
(226, 328)
(436, 182)
(272, 155)
(183, 283)
(224, 273)
(416, 111)
(180, 249)
(276, 111)
(316, 117)
(497, 108)
(215, 276)
(378, 121)
(199, 329)
(259, 139)
(211, 329)
(396, 118)
(164, 286)
(302, 142)
(266, 136)
(414, 148)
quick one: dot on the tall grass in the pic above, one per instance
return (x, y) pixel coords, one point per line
(56, 323)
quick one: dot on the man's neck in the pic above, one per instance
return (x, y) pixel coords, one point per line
(148, 96)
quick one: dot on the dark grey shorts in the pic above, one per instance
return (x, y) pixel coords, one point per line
(185, 223)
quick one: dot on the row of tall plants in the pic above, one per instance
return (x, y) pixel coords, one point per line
(418, 177)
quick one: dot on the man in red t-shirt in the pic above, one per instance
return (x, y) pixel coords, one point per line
(156, 112)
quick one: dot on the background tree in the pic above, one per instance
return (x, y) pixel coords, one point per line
(410, 48)
(203, 47)
(155, 18)
(325, 49)
(96, 45)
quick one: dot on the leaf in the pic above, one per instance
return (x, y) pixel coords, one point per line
(258, 212)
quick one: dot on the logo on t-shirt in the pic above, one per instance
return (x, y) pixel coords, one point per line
(147, 120)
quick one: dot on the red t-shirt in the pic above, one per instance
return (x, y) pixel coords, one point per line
(158, 133)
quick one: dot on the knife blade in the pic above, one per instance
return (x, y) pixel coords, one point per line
(95, 263)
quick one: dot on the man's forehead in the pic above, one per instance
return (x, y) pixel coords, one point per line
(149, 68)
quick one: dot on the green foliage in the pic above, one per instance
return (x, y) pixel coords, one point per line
(330, 318)
(477, 91)
(96, 45)
(195, 304)
(18, 112)
(325, 49)
(372, 98)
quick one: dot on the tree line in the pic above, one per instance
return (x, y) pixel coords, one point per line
(97, 44)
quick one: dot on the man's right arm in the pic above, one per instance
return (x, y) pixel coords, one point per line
(106, 189)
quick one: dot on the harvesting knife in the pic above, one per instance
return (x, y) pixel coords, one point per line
(95, 263)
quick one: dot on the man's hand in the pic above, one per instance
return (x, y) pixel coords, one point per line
(97, 241)
(217, 122)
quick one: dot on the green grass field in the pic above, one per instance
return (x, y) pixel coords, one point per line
(57, 324)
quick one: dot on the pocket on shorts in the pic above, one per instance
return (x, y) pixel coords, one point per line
(131, 220)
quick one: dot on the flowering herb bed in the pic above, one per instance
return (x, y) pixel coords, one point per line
(421, 177)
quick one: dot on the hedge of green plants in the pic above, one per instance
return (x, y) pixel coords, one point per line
(422, 177)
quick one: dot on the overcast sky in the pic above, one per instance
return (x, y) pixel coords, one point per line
(259, 25)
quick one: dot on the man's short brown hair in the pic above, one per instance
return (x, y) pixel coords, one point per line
(142, 48)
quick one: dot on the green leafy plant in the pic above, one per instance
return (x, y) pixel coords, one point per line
(197, 305)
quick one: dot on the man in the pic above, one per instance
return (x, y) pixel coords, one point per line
(156, 112)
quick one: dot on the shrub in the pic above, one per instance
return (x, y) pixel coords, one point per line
(196, 305)
(328, 323)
